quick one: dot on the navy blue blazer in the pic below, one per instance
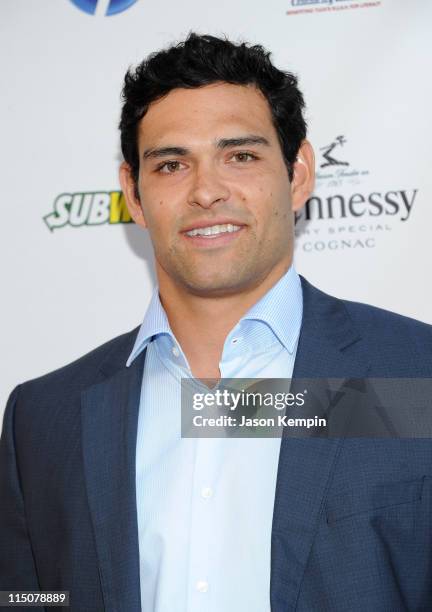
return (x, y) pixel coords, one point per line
(352, 522)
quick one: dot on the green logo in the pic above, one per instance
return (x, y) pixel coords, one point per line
(90, 208)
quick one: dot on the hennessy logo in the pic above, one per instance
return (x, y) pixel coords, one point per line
(328, 150)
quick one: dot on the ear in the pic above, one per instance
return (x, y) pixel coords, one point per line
(129, 189)
(303, 181)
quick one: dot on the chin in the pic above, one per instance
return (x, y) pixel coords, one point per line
(217, 286)
(211, 289)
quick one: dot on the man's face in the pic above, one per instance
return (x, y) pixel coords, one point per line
(214, 190)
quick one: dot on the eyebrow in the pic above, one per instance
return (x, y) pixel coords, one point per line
(223, 143)
(164, 152)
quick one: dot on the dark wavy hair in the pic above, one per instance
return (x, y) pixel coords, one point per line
(202, 60)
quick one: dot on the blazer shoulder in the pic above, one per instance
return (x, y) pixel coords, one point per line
(365, 318)
(393, 344)
(393, 338)
(86, 370)
(368, 318)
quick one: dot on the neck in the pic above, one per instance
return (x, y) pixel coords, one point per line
(201, 323)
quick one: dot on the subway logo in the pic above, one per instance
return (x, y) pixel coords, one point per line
(91, 208)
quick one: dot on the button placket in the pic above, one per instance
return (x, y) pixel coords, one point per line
(202, 519)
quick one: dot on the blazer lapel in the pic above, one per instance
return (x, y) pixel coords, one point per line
(109, 430)
(329, 346)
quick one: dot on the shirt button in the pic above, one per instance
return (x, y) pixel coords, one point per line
(202, 586)
(206, 492)
(234, 340)
(175, 351)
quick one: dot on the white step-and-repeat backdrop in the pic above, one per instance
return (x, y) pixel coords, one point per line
(77, 272)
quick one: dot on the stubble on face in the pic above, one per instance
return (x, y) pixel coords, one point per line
(211, 184)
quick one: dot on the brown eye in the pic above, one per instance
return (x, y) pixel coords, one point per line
(170, 166)
(244, 157)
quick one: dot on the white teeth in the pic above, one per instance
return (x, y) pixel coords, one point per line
(213, 230)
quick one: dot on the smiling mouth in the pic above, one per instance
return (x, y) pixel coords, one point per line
(213, 231)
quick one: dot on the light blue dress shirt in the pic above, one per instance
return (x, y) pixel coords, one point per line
(205, 505)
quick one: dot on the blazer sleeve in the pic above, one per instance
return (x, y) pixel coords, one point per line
(17, 566)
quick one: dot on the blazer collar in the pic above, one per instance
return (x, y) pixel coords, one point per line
(109, 429)
(329, 347)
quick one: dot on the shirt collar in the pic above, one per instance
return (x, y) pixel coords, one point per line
(155, 323)
(281, 308)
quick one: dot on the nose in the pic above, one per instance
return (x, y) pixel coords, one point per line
(207, 188)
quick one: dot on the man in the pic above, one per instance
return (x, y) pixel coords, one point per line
(100, 494)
